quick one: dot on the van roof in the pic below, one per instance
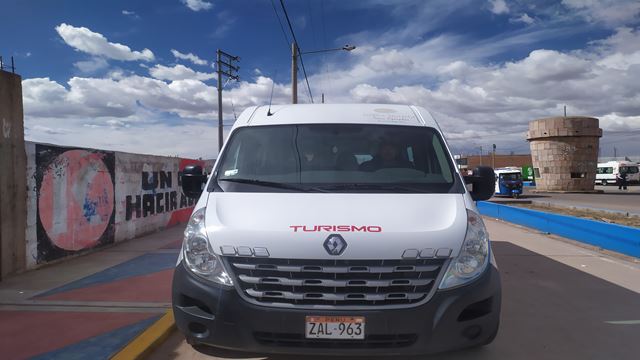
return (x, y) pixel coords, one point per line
(336, 113)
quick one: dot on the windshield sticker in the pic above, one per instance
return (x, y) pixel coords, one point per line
(231, 172)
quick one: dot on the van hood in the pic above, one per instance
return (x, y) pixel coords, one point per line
(374, 226)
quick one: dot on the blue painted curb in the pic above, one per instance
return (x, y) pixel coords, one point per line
(622, 239)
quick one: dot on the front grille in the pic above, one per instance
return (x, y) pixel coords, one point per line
(335, 282)
(371, 341)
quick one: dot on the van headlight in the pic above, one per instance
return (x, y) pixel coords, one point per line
(198, 254)
(473, 257)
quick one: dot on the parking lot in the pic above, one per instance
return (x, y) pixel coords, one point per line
(561, 300)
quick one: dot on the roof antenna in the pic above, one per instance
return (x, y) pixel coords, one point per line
(273, 83)
(235, 117)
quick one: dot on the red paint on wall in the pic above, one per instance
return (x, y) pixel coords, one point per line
(182, 216)
(76, 200)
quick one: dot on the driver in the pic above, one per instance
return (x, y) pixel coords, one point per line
(389, 155)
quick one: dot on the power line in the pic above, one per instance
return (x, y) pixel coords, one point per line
(293, 34)
(284, 33)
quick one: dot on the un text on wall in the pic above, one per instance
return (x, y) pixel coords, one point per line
(148, 194)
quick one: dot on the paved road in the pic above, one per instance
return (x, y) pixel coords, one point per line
(560, 301)
(612, 199)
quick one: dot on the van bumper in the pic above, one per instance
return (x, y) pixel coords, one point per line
(463, 317)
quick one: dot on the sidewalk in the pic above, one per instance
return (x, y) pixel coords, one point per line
(612, 200)
(91, 306)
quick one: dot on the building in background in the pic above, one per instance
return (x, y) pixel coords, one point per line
(496, 161)
(565, 152)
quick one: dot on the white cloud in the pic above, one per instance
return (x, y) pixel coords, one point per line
(178, 72)
(613, 13)
(524, 18)
(390, 61)
(85, 40)
(130, 13)
(49, 130)
(197, 5)
(190, 57)
(498, 7)
(224, 22)
(91, 66)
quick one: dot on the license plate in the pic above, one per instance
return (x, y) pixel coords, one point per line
(334, 327)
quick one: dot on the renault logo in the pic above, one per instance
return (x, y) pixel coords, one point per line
(335, 244)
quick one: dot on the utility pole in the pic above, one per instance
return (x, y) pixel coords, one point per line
(224, 66)
(480, 155)
(294, 73)
(493, 157)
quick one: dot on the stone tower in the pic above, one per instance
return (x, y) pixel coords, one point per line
(564, 151)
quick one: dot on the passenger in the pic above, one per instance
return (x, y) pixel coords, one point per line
(311, 159)
(621, 178)
(389, 156)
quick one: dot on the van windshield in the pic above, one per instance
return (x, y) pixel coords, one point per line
(336, 158)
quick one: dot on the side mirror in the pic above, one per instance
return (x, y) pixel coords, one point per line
(483, 181)
(192, 178)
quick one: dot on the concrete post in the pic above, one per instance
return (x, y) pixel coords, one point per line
(13, 190)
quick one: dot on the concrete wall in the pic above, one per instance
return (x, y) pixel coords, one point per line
(12, 180)
(82, 199)
(500, 160)
(565, 152)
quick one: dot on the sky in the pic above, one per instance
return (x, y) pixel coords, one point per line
(138, 76)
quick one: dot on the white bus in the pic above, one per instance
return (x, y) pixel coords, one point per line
(606, 173)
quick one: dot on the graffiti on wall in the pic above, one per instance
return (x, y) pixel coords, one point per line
(148, 194)
(159, 195)
(75, 200)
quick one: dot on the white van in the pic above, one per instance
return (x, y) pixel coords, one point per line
(606, 172)
(337, 229)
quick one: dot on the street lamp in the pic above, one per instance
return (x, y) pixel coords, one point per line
(294, 66)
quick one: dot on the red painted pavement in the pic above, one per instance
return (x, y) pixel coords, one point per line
(154, 287)
(27, 333)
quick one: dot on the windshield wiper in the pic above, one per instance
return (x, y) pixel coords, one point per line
(381, 187)
(273, 184)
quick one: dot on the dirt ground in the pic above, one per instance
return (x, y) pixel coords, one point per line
(608, 217)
